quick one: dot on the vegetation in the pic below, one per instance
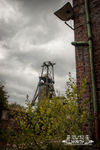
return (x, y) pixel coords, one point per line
(3, 97)
(51, 121)
(16, 106)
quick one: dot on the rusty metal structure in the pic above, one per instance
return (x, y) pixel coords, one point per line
(45, 86)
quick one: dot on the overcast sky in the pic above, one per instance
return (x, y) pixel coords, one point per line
(30, 34)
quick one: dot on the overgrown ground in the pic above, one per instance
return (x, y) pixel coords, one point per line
(50, 123)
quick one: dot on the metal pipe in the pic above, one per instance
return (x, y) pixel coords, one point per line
(92, 71)
(75, 43)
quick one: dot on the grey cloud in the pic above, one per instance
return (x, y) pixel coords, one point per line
(31, 35)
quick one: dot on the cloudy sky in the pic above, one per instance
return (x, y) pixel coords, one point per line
(30, 34)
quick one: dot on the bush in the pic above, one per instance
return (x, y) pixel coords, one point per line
(52, 120)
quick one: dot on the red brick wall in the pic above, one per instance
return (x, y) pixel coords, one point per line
(82, 52)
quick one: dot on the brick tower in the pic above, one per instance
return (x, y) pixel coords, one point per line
(87, 52)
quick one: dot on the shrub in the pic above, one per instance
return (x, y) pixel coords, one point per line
(52, 120)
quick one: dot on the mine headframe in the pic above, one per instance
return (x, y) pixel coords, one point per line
(45, 86)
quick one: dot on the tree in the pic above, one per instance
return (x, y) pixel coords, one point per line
(3, 105)
(52, 120)
(16, 106)
(3, 98)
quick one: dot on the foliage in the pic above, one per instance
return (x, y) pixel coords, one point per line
(3, 97)
(52, 120)
(3, 105)
(16, 106)
(79, 113)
